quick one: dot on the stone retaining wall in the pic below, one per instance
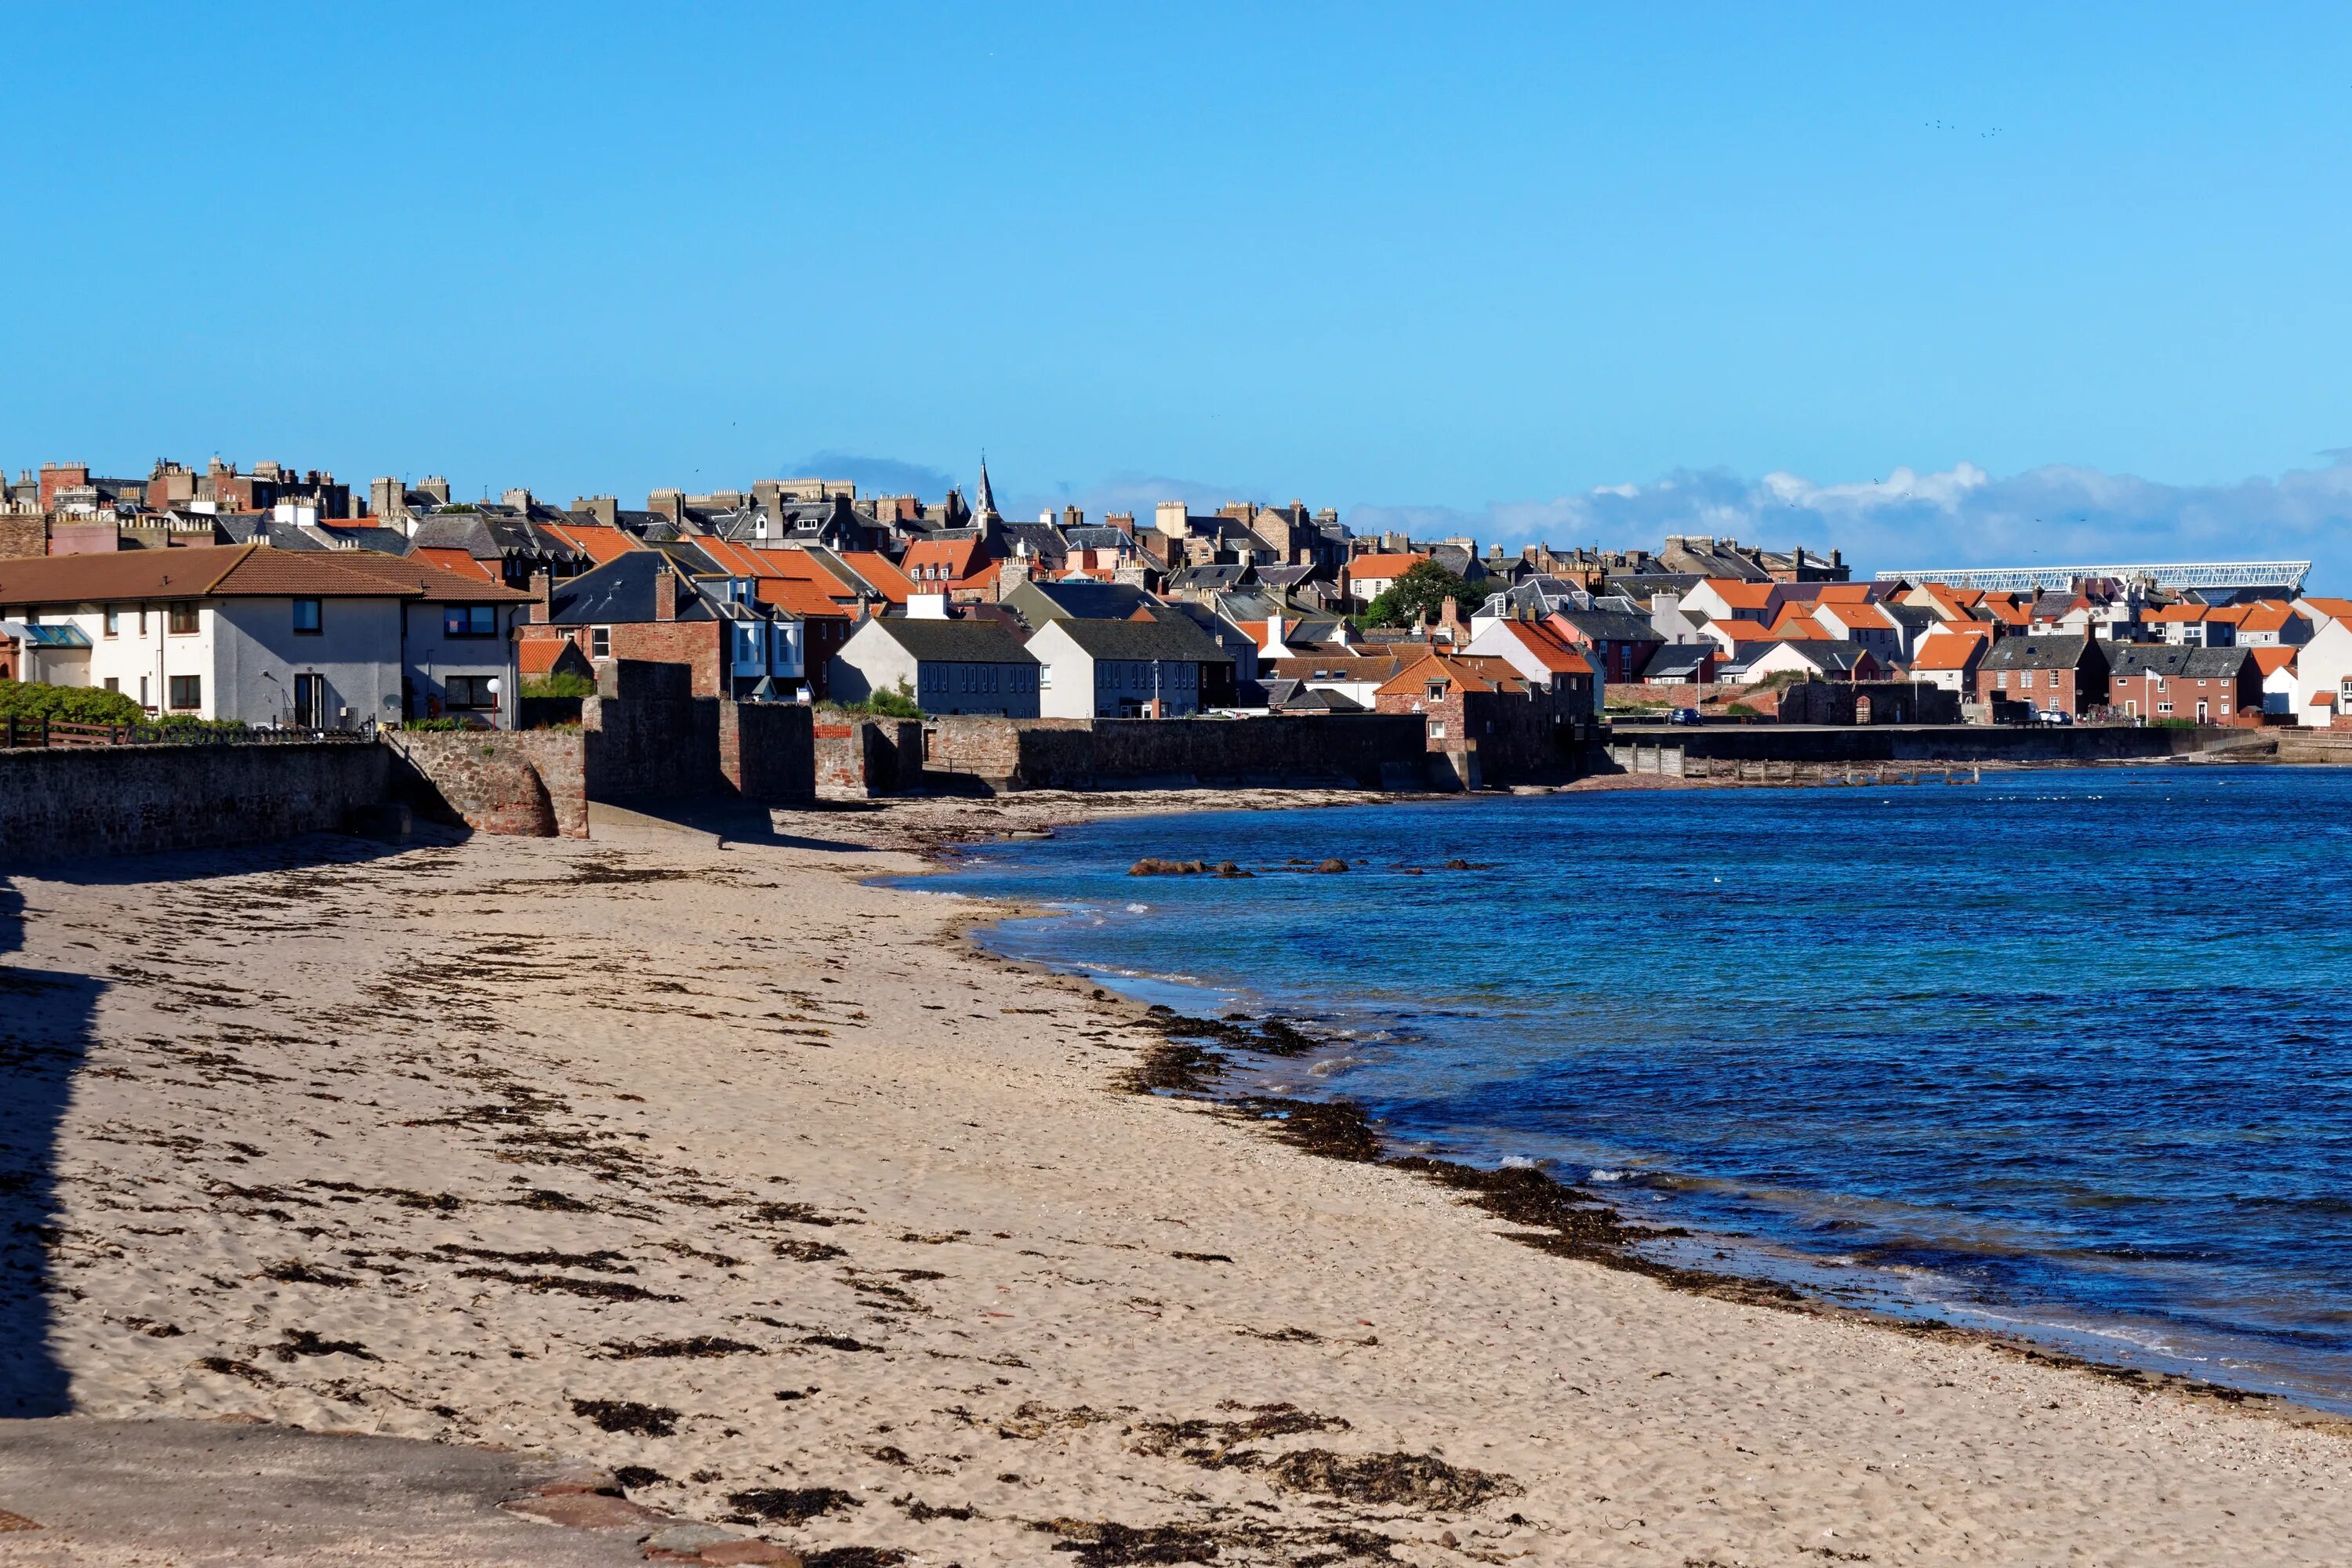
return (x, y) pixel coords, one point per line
(530, 784)
(59, 804)
(1367, 751)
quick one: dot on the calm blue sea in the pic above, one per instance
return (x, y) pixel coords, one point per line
(2063, 1053)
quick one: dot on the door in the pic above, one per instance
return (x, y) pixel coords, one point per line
(2200, 710)
(310, 701)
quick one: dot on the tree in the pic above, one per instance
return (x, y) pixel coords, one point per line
(1419, 594)
(67, 704)
(895, 704)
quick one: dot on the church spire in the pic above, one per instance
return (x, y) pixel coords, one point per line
(985, 511)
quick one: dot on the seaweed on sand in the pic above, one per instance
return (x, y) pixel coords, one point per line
(626, 1415)
(788, 1505)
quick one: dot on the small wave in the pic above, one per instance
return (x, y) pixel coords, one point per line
(1517, 1162)
(1138, 909)
(1601, 1175)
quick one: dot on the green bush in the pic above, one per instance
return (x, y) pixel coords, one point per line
(188, 723)
(563, 683)
(435, 726)
(895, 704)
(67, 704)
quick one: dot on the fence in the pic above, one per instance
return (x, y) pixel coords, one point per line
(42, 731)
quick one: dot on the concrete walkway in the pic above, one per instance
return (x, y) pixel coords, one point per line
(81, 1493)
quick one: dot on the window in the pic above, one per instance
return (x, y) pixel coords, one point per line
(183, 621)
(142, 620)
(1437, 691)
(2025, 679)
(1437, 729)
(599, 642)
(113, 684)
(747, 645)
(469, 621)
(306, 618)
(1044, 677)
(187, 692)
(113, 622)
(472, 690)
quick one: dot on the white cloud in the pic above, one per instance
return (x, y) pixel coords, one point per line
(2058, 515)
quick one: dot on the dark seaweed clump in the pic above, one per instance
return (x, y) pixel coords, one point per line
(625, 1415)
(788, 1505)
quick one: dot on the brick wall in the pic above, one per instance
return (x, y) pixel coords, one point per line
(1890, 702)
(524, 783)
(1369, 751)
(767, 753)
(694, 644)
(860, 758)
(70, 804)
(23, 534)
(646, 734)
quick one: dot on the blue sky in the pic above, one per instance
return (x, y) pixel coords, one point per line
(1491, 266)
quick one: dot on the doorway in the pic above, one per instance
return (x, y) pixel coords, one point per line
(310, 701)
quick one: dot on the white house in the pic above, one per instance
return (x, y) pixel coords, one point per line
(950, 667)
(2323, 676)
(2277, 665)
(323, 640)
(1122, 670)
(1950, 661)
(1811, 657)
(1866, 623)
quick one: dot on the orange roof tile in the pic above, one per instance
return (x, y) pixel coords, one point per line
(1741, 595)
(1948, 653)
(880, 571)
(1551, 650)
(2270, 660)
(1380, 568)
(2333, 609)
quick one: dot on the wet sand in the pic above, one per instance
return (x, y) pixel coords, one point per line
(694, 1157)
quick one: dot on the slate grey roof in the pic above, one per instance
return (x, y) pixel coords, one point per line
(1082, 600)
(1611, 626)
(1098, 536)
(1215, 578)
(2037, 652)
(957, 642)
(1172, 639)
(1843, 657)
(623, 589)
(1677, 661)
(2129, 661)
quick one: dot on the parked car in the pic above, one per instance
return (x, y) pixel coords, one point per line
(2053, 716)
(1683, 716)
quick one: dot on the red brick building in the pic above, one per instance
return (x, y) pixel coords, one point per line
(1492, 724)
(2207, 684)
(2049, 674)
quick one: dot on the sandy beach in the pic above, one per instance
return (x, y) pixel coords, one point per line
(695, 1157)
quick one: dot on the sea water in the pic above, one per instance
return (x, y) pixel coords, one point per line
(2062, 1053)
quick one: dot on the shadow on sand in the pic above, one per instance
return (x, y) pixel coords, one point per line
(46, 1022)
(48, 1028)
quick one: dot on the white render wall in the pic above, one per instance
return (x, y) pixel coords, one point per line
(256, 654)
(432, 657)
(246, 654)
(870, 661)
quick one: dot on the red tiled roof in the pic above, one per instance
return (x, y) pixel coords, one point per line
(1551, 651)
(1742, 595)
(1381, 568)
(227, 571)
(2270, 660)
(1948, 653)
(880, 571)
